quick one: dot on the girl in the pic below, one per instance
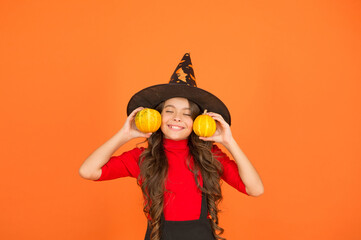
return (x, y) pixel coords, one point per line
(179, 173)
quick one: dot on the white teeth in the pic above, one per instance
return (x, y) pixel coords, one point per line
(175, 127)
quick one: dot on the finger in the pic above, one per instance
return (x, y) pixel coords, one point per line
(147, 135)
(206, 138)
(214, 114)
(135, 111)
(220, 120)
(138, 109)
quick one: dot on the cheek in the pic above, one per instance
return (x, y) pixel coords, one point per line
(190, 124)
(165, 119)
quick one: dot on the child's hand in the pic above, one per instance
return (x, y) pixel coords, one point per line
(129, 128)
(223, 132)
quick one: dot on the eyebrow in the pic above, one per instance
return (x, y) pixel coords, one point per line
(175, 107)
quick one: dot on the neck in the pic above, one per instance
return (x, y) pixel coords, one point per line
(175, 144)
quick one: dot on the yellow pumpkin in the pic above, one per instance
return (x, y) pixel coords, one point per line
(148, 120)
(204, 125)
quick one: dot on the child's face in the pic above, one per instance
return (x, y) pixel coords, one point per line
(177, 123)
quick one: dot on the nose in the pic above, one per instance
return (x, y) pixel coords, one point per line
(177, 117)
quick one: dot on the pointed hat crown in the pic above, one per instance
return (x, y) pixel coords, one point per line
(184, 74)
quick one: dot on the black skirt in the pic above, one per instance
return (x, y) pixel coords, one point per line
(199, 229)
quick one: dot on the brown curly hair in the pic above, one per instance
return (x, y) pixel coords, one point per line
(154, 169)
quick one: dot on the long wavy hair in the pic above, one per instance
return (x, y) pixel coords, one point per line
(154, 169)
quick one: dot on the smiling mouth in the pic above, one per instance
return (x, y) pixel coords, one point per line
(174, 127)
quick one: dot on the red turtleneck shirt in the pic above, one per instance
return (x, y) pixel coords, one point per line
(182, 200)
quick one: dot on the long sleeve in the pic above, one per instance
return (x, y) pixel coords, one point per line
(124, 165)
(230, 170)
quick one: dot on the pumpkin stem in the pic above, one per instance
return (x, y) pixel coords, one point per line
(205, 111)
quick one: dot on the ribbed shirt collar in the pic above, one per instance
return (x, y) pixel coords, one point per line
(170, 144)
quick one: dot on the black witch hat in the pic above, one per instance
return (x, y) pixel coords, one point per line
(181, 84)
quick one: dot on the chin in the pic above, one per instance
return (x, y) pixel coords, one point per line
(175, 138)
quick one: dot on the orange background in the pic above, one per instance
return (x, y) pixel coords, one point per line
(289, 71)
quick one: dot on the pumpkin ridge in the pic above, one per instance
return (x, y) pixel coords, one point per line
(207, 127)
(148, 120)
(201, 122)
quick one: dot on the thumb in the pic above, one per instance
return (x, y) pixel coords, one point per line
(206, 138)
(147, 135)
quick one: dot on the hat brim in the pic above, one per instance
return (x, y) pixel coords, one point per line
(151, 96)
